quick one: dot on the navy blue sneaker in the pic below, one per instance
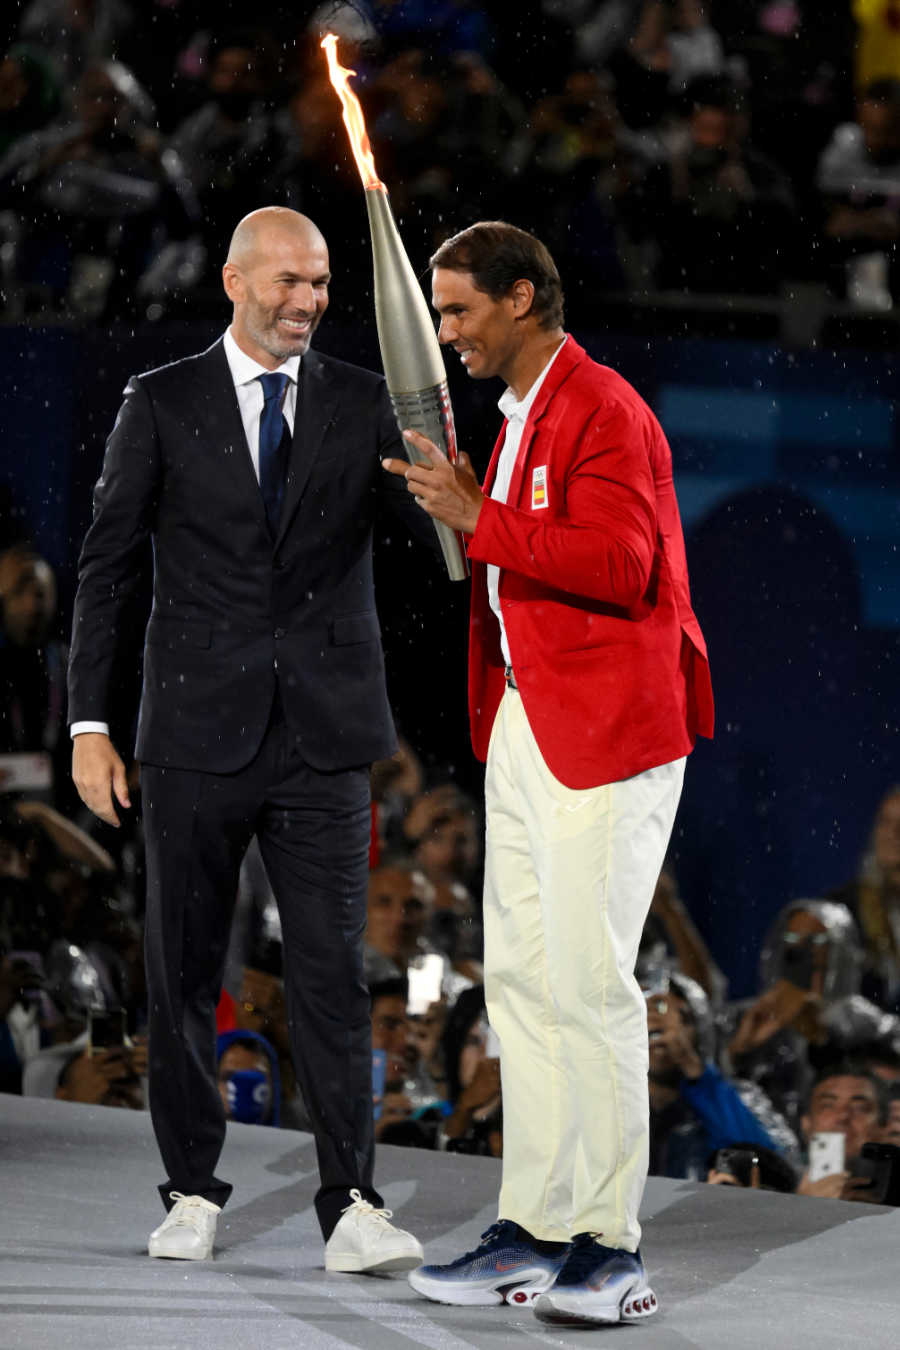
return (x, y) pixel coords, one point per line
(597, 1284)
(507, 1266)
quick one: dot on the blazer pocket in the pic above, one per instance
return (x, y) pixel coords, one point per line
(176, 634)
(348, 628)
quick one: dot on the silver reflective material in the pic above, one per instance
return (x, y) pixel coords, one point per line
(411, 355)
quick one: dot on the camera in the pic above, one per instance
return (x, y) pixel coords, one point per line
(880, 1163)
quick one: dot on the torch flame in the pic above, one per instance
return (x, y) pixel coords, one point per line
(353, 116)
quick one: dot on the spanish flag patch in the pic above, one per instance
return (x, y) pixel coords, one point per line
(539, 487)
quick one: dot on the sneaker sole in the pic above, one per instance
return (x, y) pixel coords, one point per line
(180, 1256)
(352, 1263)
(470, 1295)
(636, 1306)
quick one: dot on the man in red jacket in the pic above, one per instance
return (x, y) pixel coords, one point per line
(588, 684)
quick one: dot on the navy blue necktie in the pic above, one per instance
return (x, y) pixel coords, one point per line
(274, 446)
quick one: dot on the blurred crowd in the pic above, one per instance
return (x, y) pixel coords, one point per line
(756, 1092)
(727, 146)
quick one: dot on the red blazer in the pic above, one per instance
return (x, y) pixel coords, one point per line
(608, 656)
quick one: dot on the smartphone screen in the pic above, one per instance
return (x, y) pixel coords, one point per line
(106, 1030)
(826, 1154)
(425, 976)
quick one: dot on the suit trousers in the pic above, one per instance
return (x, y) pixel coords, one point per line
(568, 882)
(313, 831)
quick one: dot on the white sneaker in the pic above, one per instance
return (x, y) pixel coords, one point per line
(364, 1240)
(188, 1231)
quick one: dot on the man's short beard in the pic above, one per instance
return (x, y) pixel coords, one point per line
(282, 349)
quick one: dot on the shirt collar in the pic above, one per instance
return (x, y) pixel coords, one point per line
(244, 369)
(517, 410)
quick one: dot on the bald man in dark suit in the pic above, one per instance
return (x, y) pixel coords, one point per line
(254, 468)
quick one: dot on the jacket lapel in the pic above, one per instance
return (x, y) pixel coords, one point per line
(569, 357)
(316, 404)
(225, 430)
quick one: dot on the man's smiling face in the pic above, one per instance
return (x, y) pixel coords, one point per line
(483, 331)
(280, 294)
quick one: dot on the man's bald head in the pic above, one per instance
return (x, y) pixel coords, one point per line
(259, 231)
(276, 276)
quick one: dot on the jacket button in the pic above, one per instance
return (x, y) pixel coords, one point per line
(279, 634)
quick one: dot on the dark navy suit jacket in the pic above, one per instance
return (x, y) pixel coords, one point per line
(235, 611)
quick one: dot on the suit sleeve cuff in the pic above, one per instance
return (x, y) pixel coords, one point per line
(79, 728)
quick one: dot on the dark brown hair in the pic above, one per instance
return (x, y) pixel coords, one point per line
(497, 255)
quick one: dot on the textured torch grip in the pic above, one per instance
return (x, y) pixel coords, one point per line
(429, 411)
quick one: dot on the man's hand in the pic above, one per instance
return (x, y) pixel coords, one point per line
(90, 1077)
(777, 1008)
(99, 773)
(395, 1106)
(826, 1188)
(448, 492)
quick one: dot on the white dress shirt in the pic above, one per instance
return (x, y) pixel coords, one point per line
(516, 413)
(245, 373)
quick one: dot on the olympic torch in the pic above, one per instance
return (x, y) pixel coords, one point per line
(410, 353)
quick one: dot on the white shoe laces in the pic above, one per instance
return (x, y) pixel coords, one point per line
(188, 1211)
(364, 1208)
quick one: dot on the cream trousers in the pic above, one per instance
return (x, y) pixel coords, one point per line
(569, 876)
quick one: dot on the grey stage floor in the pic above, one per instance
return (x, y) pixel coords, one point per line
(735, 1270)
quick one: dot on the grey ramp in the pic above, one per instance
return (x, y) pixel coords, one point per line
(733, 1269)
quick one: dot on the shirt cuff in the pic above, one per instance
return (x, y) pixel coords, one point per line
(79, 728)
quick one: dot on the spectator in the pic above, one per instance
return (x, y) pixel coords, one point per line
(313, 168)
(694, 1109)
(844, 1099)
(32, 672)
(583, 161)
(416, 145)
(260, 1009)
(97, 198)
(109, 1078)
(398, 907)
(30, 912)
(249, 1080)
(76, 34)
(874, 898)
(390, 1037)
(23, 1020)
(395, 783)
(29, 94)
(475, 1122)
(859, 182)
(672, 938)
(809, 1010)
(672, 44)
(228, 145)
(72, 1072)
(721, 214)
(442, 828)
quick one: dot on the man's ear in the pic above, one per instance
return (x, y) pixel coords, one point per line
(805, 1123)
(522, 297)
(233, 282)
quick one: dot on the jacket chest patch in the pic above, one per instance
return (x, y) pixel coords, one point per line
(539, 487)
